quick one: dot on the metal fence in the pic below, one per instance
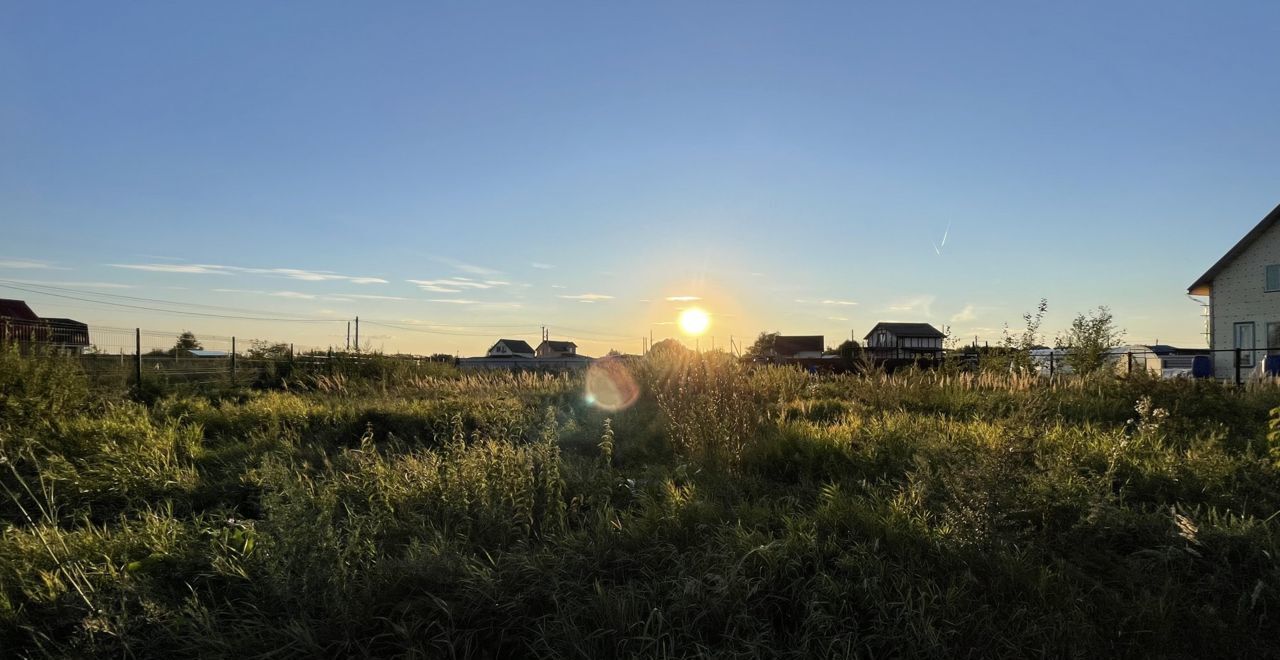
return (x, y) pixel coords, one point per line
(127, 356)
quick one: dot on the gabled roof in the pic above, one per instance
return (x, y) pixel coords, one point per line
(200, 352)
(516, 345)
(1204, 285)
(16, 309)
(908, 330)
(560, 345)
(793, 344)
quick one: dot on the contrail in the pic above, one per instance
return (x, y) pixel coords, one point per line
(938, 248)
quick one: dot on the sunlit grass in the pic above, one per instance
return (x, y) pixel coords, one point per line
(729, 511)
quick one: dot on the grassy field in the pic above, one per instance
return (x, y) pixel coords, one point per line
(724, 512)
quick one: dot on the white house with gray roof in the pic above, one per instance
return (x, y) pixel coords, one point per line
(1244, 299)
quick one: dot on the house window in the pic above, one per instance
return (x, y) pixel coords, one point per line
(1244, 339)
(1273, 339)
(1273, 277)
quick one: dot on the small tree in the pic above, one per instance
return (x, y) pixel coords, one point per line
(763, 345)
(668, 347)
(1020, 345)
(848, 349)
(1089, 338)
(186, 342)
(264, 350)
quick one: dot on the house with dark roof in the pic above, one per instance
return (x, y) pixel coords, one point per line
(18, 323)
(1244, 299)
(16, 310)
(550, 348)
(797, 347)
(507, 348)
(517, 355)
(904, 341)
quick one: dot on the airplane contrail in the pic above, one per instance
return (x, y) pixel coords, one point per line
(938, 248)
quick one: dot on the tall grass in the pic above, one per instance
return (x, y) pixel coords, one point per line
(731, 512)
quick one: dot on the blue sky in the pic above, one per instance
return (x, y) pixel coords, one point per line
(791, 164)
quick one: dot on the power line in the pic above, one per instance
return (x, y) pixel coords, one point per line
(439, 332)
(102, 294)
(170, 311)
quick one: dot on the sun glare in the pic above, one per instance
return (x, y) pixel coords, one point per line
(694, 321)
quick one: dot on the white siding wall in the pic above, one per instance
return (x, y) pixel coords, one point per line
(1239, 295)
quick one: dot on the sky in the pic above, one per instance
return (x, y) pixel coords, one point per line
(453, 173)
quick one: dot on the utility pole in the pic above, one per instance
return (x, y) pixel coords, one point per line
(137, 358)
(357, 334)
(348, 335)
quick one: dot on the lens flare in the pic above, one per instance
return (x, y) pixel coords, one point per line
(694, 321)
(610, 385)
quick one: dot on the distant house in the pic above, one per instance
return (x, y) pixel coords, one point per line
(549, 348)
(797, 347)
(19, 323)
(903, 341)
(1244, 299)
(514, 354)
(511, 348)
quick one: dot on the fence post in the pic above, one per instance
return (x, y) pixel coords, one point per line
(1239, 356)
(1052, 364)
(1130, 359)
(137, 358)
(233, 360)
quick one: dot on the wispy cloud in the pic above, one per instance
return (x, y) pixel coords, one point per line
(683, 298)
(828, 301)
(454, 301)
(81, 285)
(969, 313)
(588, 297)
(364, 296)
(289, 273)
(466, 267)
(29, 264)
(916, 305)
(191, 269)
(456, 284)
(559, 286)
(837, 318)
(541, 266)
(298, 295)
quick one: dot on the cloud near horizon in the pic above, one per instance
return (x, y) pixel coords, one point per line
(588, 297)
(828, 301)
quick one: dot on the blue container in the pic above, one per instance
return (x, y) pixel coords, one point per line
(1202, 367)
(1272, 365)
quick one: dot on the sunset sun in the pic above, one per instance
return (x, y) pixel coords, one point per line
(694, 321)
